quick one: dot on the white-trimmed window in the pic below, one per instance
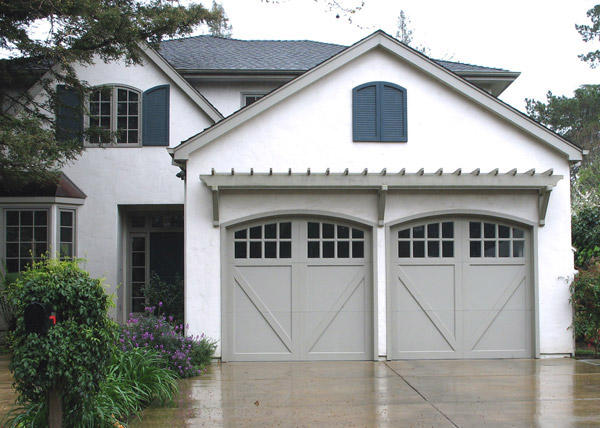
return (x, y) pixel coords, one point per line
(250, 98)
(66, 235)
(26, 237)
(116, 109)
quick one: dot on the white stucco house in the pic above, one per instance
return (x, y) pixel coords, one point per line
(321, 201)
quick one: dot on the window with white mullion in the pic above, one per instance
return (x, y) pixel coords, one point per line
(139, 271)
(127, 115)
(114, 115)
(66, 236)
(100, 115)
(26, 237)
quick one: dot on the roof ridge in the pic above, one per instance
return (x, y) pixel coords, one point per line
(252, 40)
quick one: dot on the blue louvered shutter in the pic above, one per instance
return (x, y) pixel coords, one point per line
(69, 114)
(393, 112)
(155, 116)
(364, 113)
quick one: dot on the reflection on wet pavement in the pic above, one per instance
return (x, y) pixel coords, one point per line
(474, 393)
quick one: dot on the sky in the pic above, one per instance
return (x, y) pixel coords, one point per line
(535, 37)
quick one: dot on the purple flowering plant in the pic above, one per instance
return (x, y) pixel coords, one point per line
(184, 355)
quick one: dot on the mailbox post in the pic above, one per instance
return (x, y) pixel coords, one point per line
(39, 318)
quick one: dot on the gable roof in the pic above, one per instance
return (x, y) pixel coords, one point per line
(385, 41)
(209, 53)
(36, 70)
(183, 84)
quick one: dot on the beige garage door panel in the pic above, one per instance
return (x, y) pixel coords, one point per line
(460, 288)
(298, 289)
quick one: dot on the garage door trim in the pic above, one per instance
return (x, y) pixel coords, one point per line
(371, 227)
(531, 226)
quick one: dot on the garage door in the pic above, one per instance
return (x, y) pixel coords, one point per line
(298, 289)
(460, 288)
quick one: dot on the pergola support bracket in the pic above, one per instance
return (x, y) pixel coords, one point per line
(543, 199)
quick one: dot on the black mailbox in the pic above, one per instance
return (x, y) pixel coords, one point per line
(38, 318)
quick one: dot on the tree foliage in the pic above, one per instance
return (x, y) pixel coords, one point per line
(45, 40)
(577, 119)
(585, 232)
(591, 32)
(221, 27)
(405, 32)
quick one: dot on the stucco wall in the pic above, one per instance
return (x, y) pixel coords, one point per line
(226, 96)
(313, 129)
(127, 176)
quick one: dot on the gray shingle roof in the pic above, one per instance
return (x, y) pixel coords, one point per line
(216, 53)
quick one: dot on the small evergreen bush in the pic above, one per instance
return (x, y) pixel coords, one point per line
(585, 298)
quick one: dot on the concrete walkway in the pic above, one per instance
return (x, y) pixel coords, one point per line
(515, 393)
(7, 393)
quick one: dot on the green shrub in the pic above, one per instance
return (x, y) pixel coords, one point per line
(77, 351)
(170, 293)
(586, 235)
(585, 298)
(202, 351)
(7, 310)
(135, 379)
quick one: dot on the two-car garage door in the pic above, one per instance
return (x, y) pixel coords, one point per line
(301, 289)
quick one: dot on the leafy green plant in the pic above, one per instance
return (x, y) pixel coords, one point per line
(7, 310)
(202, 351)
(76, 352)
(170, 293)
(585, 298)
(135, 379)
(586, 235)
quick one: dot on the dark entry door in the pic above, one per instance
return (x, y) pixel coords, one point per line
(166, 255)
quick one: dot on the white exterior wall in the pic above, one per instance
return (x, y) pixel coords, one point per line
(226, 96)
(124, 175)
(313, 128)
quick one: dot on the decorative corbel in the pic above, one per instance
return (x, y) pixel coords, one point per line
(215, 200)
(381, 196)
(543, 199)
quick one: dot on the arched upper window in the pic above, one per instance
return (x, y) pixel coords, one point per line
(379, 112)
(115, 109)
(132, 117)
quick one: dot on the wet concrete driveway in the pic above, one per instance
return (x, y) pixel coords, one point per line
(515, 393)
